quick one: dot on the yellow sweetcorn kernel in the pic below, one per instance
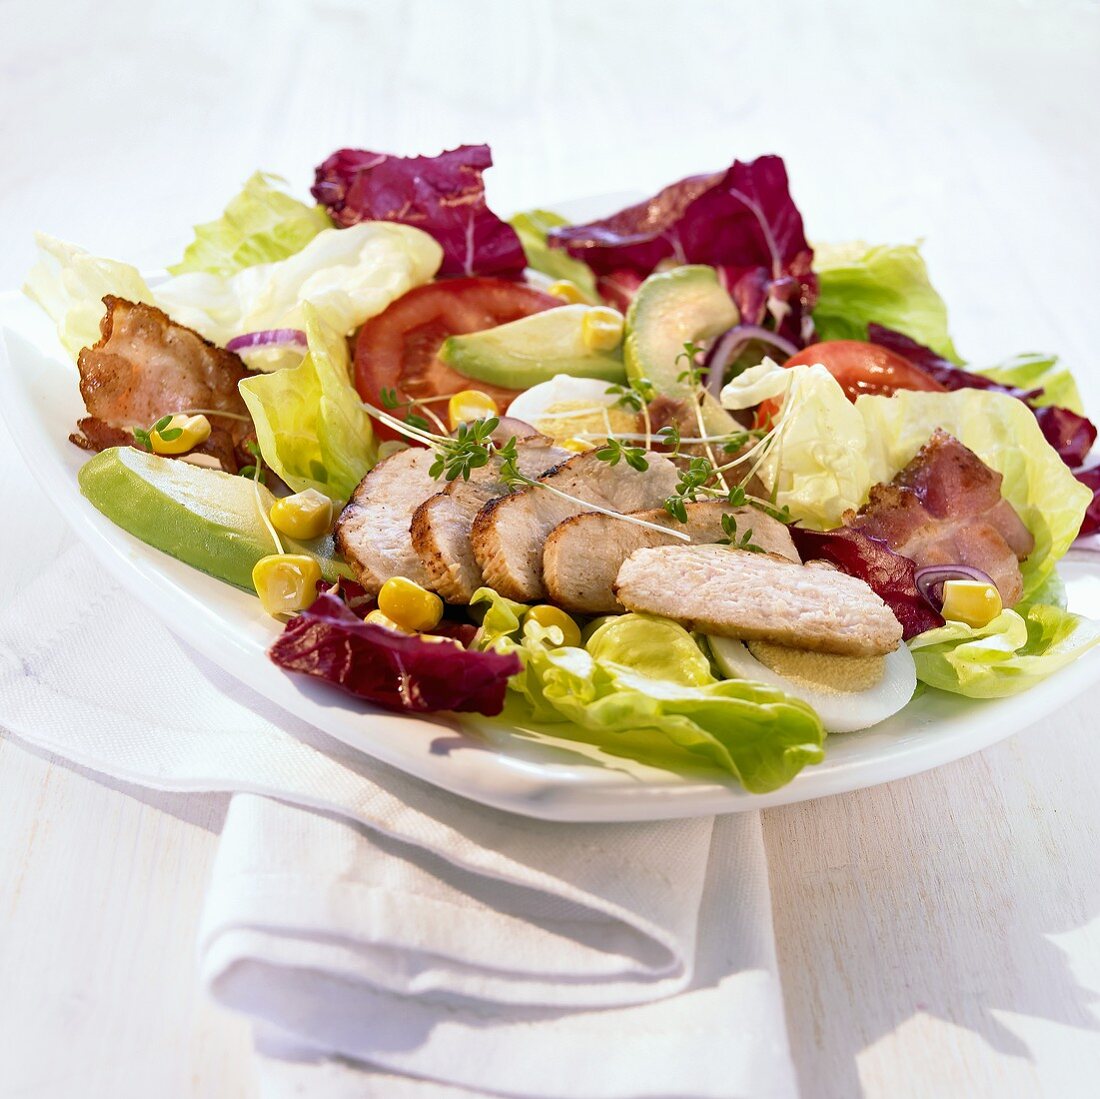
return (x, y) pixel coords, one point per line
(568, 292)
(303, 516)
(286, 582)
(973, 602)
(377, 618)
(602, 328)
(412, 607)
(470, 405)
(547, 616)
(179, 435)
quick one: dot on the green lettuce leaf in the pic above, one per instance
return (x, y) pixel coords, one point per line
(260, 224)
(1035, 371)
(310, 424)
(887, 284)
(641, 688)
(532, 228)
(1006, 436)
(1014, 652)
(70, 284)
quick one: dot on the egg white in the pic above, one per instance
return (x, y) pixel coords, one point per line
(840, 711)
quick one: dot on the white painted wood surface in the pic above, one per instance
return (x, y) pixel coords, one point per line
(938, 936)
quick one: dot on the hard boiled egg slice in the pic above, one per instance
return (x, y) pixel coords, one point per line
(566, 407)
(848, 692)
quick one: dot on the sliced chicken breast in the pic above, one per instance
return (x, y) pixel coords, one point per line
(733, 593)
(583, 555)
(509, 533)
(373, 530)
(441, 525)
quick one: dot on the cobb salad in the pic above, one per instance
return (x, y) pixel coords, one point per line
(673, 482)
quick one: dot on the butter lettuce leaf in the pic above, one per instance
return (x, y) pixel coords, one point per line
(70, 284)
(1035, 371)
(641, 688)
(882, 284)
(262, 223)
(1004, 433)
(310, 424)
(1012, 653)
(533, 228)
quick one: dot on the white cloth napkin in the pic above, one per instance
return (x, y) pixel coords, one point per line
(390, 939)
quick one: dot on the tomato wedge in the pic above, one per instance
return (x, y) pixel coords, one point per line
(397, 349)
(860, 368)
(865, 368)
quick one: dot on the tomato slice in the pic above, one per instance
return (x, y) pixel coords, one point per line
(397, 349)
(860, 368)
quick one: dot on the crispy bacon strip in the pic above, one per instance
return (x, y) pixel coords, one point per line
(146, 366)
(945, 507)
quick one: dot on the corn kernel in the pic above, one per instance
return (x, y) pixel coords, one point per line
(602, 328)
(568, 292)
(304, 515)
(973, 602)
(193, 431)
(286, 582)
(469, 405)
(412, 607)
(547, 616)
(377, 618)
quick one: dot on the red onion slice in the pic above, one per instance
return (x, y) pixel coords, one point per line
(269, 337)
(727, 346)
(931, 579)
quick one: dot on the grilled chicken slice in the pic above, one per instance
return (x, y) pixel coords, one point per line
(757, 596)
(145, 366)
(583, 554)
(373, 530)
(945, 507)
(441, 525)
(509, 532)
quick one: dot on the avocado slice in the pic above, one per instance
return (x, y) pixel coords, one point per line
(203, 517)
(670, 309)
(531, 350)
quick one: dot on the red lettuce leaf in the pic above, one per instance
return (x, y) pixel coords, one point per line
(1091, 477)
(943, 370)
(397, 671)
(742, 221)
(888, 574)
(443, 195)
(1071, 434)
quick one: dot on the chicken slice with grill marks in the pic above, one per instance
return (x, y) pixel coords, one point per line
(373, 529)
(509, 532)
(583, 554)
(442, 524)
(757, 596)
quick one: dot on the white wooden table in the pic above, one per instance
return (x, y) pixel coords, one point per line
(938, 936)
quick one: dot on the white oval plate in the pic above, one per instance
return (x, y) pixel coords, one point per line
(520, 770)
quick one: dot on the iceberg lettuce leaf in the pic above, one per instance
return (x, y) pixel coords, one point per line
(642, 689)
(310, 424)
(1035, 371)
(70, 284)
(260, 224)
(1012, 653)
(888, 285)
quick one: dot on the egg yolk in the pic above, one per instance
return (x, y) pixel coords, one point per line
(566, 419)
(829, 673)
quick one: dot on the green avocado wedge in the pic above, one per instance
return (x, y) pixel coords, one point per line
(203, 517)
(531, 350)
(686, 304)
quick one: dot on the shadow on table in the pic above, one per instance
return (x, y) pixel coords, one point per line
(938, 896)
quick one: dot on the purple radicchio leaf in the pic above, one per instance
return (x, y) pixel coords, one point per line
(395, 670)
(443, 195)
(742, 221)
(1091, 478)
